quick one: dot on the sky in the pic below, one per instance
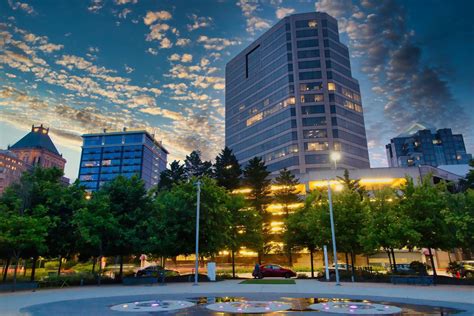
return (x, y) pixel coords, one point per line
(80, 66)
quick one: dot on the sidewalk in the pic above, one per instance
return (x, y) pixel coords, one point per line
(11, 303)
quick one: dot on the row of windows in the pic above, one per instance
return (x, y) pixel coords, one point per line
(347, 114)
(315, 133)
(285, 163)
(338, 68)
(309, 64)
(309, 75)
(311, 86)
(343, 80)
(332, 35)
(280, 153)
(113, 139)
(340, 59)
(339, 146)
(306, 23)
(338, 47)
(251, 152)
(307, 43)
(312, 109)
(269, 111)
(311, 98)
(307, 33)
(362, 141)
(312, 53)
(314, 121)
(348, 125)
(316, 146)
(316, 159)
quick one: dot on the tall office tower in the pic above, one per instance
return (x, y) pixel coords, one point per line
(291, 98)
(109, 154)
(427, 147)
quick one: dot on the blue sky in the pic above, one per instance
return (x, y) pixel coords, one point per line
(80, 66)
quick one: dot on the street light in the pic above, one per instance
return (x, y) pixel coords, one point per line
(198, 202)
(335, 156)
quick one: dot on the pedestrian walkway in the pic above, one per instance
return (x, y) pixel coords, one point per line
(11, 303)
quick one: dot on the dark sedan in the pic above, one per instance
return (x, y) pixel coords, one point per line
(274, 270)
(155, 271)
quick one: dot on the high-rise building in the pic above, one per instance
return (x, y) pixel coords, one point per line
(11, 169)
(291, 98)
(427, 147)
(109, 154)
(37, 149)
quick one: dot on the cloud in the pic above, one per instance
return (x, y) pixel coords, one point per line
(219, 86)
(198, 22)
(152, 51)
(185, 58)
(183, 42)
(95, 6)
(152, 17)
(217, 43)
(254, 23)
(157, 31)
(128, 69)
(122, 2)
(165, 43)
(123, 14)
(163, 113)
(49, 48)
(23, 6)
(282, 12)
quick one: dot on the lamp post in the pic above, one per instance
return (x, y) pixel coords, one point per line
(198, 202)
(335, 156)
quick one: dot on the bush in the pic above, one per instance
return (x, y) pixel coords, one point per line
(51, 265)
(223, 276)
(420, 268)
(302, 276)
(73, 279)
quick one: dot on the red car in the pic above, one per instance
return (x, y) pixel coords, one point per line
(274, 270)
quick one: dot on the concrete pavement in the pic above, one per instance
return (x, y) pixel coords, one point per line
(450, 296)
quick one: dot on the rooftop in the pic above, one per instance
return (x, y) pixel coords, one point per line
(37, 138)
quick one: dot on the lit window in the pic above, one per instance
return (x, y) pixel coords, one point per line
(317, 146)
(255, 119)
(331, 86)
(106, 162)
(291, 100)
(337, 146)
(313, 24)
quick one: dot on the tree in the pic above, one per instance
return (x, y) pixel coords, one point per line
(468, 182)
(256, 179)
(286, 194)
(171, 228)
(352, 184)
(130, 205)
(227, 170)
(195, 167)
(97, 227)
(175, 174)
(304, 227)
(386, 226)
(245, 228)
(424, 205)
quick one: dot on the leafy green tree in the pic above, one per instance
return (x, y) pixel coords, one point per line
(256, 179)
(195, 167)
(352, 184)
(424, 205)
(459, 216)
(171, 228)
(286, 194)
(227, 170)
(304, 226)
(386, 226)
(175, 174)
(97, 227)
(245, 228)
(468, 183)
(130, 206)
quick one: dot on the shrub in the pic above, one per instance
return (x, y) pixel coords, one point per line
(302, 276)
(51, 265)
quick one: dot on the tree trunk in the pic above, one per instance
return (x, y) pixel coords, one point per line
(312, 263)
(432, 262)
(24, 267)
(259, 258)
(233, 263)
(121, 268)
(353, 265)
(17, 260)
(394, 261)
(290, 258)
(389, 259)
(33, 268)
(5, 272)
(99, 276)
(164, 262)
(60, 264)
(347, 262)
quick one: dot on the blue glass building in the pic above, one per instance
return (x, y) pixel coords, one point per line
(109, 154)
(427, 147)
(291, 98)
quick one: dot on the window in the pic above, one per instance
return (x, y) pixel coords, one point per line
(316, 146)
(306, 23)
(309, 64)
(307, 43)
(331, 86)
(308, 53)
(313, 109)
(315, 133)
(306, 33)
(252, 62)
(115, 139)
(310, 75)
(134, 138)
(311, 86)
(337, 146)
(307, 98)
(255, 119)
(93, 140)
(314, 121)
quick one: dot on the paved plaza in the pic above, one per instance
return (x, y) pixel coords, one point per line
(93, 300)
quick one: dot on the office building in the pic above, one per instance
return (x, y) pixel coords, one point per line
(427, 147)
(35, 149)
(109, 154)
(291, 98)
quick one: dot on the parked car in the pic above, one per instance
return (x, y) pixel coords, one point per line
(155, 270)
(467, 269)
(404, 268)
(274, 270)
(332, 269)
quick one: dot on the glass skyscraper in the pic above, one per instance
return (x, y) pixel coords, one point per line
(426, 147)
(291, 98)
(109, 154)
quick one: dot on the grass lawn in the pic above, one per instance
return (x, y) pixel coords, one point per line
(268, 281)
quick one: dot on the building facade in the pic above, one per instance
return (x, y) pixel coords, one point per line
(37, 149)
(11, 168)
(427, 147)
(291, 98)
(109, 154)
